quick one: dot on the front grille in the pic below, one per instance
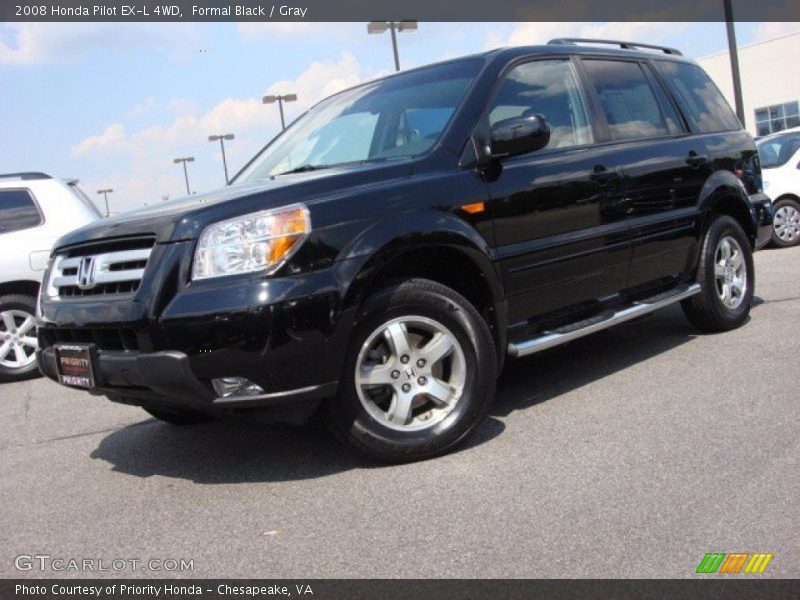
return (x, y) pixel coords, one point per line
(104, 339)
(103, 268)
(119, 287)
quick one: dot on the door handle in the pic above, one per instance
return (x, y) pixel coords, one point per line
(602, 175)
(695, 160)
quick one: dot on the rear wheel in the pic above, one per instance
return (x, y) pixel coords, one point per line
(786, 223)
(727, 277)
(18, 343)
(419, 375)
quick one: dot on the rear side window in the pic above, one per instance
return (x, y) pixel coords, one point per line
(17, 211)
(629, 103)
(701, 101)
(549, 88)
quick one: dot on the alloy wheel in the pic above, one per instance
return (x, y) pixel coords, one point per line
(18, 341)
(410, 373)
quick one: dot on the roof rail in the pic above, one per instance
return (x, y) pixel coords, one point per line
(621, 44)
(25, 176)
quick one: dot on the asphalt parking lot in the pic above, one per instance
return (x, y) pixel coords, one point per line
(631, 453)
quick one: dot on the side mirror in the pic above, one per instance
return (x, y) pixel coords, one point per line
(519, 135)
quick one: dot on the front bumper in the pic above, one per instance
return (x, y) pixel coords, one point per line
(762, 204)
(159, 379)
(165, 344)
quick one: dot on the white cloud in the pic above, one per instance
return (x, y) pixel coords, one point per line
(113, 138)
(147, 153)
(35, 43)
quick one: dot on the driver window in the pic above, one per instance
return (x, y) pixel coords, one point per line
(549, 88)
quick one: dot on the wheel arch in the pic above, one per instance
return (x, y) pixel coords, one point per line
(23, 287)
(723, 194)
(436, 246)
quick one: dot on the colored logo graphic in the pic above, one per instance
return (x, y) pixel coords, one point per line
(719, 562)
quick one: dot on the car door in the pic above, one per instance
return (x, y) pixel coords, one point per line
(559, 223)
(665, 167)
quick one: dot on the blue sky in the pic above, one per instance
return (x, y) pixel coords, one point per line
(112, 104)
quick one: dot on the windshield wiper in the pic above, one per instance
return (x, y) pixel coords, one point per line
(304, 169)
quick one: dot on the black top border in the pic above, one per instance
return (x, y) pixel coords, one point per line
(394, 10)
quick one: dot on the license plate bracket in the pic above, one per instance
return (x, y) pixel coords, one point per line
(76, 364)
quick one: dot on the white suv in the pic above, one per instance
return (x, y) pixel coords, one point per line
(35, 210)
(780, 163)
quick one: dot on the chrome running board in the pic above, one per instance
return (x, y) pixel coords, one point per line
(573, 331)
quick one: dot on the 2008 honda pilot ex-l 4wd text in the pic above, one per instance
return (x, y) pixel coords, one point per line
(381, 258)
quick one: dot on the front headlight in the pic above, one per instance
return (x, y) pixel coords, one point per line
(260, 241)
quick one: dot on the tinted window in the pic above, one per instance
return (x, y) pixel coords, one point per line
(628, 101)
(547, 87)
(17, 211)
(702, 103)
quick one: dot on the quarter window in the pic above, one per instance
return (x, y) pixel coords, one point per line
(701, 101)
(549, 88)
(17, 211)
(629, 103)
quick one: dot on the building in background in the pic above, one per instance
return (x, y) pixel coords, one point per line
(770, 72)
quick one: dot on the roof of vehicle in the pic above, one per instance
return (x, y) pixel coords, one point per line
(589, 46)
(25, 176)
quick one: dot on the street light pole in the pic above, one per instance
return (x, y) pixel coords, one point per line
(734, 54)
(280, 99)
(222, 137)
(394, 28)
(184, 160)
(105, 193)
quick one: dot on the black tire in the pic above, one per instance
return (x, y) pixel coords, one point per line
(789, 240)
(179, 416)
(706, 310)
(347, 416)
(27, 304)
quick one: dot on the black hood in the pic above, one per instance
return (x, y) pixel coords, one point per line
(185, 218)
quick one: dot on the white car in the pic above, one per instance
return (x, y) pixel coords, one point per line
(35, 210)
(780, 163)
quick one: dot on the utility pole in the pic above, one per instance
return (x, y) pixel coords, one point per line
(394, 28)
(734, 54)
(280, 99)
(105, 193)
(184, 160)
(222, 137)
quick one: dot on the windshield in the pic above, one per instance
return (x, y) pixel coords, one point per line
(398, 117)
(776, 151)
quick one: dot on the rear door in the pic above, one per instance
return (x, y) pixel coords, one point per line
(559, 227)
(665, 167)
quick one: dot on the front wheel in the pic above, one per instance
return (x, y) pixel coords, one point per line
(419, 375)
(727, 277)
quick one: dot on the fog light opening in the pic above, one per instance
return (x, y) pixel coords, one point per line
(230, 387)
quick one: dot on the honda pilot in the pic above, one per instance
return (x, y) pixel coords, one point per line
(380, 260)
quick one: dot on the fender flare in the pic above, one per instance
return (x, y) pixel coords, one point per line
(723, 187)
(392, 236)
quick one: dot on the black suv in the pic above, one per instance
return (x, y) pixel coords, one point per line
(382, 257)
